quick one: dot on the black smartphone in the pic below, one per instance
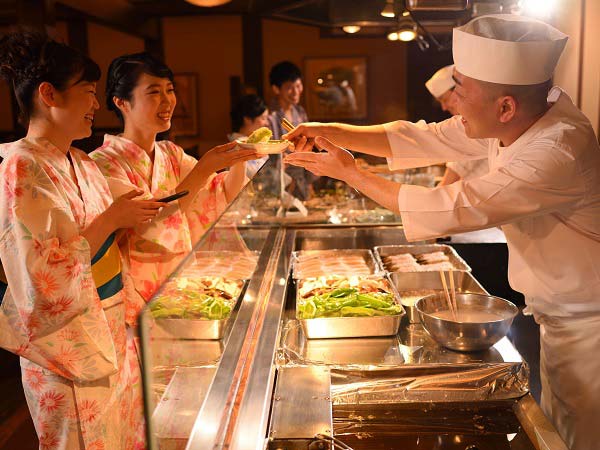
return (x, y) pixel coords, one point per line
(173, 197)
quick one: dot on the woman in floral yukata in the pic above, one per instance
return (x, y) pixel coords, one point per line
(140, 90)
(64, 310)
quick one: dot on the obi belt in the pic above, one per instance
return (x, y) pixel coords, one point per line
(106, 269)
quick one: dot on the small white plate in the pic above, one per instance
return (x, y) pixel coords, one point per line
(265, 148)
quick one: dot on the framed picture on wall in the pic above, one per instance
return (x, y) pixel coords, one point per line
(185, 116)
(336, 88)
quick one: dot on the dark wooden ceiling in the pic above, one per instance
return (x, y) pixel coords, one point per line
(140, 16)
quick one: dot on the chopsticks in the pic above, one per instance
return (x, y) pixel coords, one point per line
(287, 125)
(450, 296)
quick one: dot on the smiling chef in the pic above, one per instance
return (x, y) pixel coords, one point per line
(543, 189)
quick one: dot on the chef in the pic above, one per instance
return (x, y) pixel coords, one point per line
(441, 86)
(543, 189)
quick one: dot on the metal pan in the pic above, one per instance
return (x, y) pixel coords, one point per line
(365, 254)
(428, 283)
(351, 327)
(234, 269)
(388, 250)
(198, 328)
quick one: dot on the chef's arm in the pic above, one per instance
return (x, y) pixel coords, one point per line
(520, 190)
(336, 162)
(379, 189)
(371, 139)
(450, 176)
(405, 144)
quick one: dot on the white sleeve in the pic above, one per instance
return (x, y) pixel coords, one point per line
(469, 169)
(523, 188)
(422, 144)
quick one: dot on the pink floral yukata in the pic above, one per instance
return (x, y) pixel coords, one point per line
(154, 250)
(81, 374)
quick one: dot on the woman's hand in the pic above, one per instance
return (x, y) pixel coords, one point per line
(224, 156)
(126, 212)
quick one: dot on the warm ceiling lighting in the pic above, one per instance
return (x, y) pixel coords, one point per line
(407, 35)
(388, 9)
(407, 30)
(537, 8)
(208, 3)
(351, 29)
(393, 36)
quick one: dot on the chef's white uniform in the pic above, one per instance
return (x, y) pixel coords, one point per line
(469, 169)
(544, 191)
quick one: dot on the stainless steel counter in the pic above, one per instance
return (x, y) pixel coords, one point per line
(389, 375)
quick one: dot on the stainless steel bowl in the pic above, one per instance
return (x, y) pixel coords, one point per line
(472, 335)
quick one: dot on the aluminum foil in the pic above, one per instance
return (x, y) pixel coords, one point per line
(441, 383)
(409, 367)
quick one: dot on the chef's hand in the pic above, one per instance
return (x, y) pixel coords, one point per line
(303, 136)
(334, 162)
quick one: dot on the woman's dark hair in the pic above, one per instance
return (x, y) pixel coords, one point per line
(29, 58)
(250, 106)
(124, 73)
(282, 72)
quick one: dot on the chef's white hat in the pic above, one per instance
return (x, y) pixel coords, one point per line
(441, 81)
(507, 49)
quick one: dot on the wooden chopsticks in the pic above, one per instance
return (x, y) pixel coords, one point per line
(450, 296)
(287, 125)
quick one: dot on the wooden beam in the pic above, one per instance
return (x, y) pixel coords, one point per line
(253, 52)
(125, 20)
(77, 35)
(35, 14)
(155, 46)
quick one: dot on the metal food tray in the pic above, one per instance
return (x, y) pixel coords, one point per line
(388, 250)
(225, 254)
(199, 328)
(366, 254)
(412, 281)
(351, 327)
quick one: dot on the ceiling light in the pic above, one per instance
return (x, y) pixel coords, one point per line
(537, 8)
(407, 35)
(388, 9)
(407, 30)
(208, 3)
(351, 29)
(393, 36)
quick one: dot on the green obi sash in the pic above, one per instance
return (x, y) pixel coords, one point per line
(106, 269)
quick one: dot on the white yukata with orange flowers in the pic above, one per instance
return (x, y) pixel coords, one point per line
(152, 251)
(81, 374)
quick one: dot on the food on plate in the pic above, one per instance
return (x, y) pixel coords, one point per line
(345, 297)
(208, 298)
(259, 136)
(260, 141)
(424, 262)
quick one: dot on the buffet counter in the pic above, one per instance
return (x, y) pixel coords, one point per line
(234, 367)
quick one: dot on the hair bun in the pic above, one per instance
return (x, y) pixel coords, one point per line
(20, 55)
